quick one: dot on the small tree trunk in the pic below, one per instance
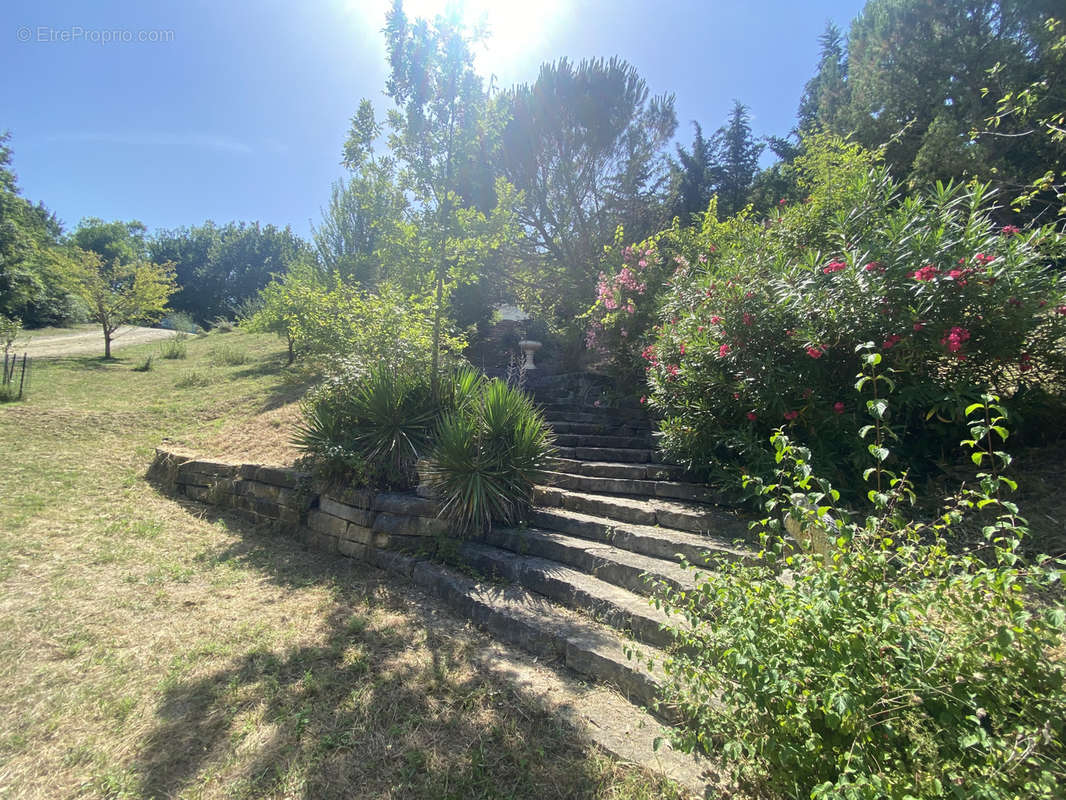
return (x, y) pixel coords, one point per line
(292, 353)
(107, 342)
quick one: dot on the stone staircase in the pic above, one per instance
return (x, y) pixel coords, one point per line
(610, 526)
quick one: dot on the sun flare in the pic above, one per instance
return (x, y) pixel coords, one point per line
(512, 29)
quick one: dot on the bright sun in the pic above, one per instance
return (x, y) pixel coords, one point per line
(515, 28)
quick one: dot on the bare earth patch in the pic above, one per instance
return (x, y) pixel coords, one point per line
(78, 342)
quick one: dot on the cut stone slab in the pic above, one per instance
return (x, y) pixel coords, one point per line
(621, 609)
(635, 572)
(632, 486)
(605, 441)
(606, 454)
(515, 615)
(647, 540)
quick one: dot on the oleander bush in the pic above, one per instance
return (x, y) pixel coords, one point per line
(858, 657)
(758, 320)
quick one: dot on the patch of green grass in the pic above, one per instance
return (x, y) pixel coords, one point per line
(228, 355)
(176, 348)
(144, 366)
(192, 379)
(150, 649)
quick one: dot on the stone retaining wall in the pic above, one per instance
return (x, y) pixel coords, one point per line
(354, 522)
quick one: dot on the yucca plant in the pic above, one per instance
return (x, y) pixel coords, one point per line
(485, 460)
(376, 427)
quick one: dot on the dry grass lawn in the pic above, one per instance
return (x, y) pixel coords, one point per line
(150, 650)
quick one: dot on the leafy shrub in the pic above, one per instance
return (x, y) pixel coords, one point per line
(222, 325)
(175, 348)
(882, 666)
(486, 457)
(760, 323)
(179, 321)
(344, 328)
(369, 427)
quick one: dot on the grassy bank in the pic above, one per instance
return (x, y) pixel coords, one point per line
(151, 650)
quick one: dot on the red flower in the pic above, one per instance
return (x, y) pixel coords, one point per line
(983, 259)
(926, 273)
(715, 319)
(643, 399)
(723, 351)
(891, 340)
(814, 352)
(919, 326)
(838, 407)
(782, 202)
(1026, 362)
(834, 266)
(954, 340)
(682, 348)
(874, 266)
(752, 416)
(791, 415)
(1009, 230)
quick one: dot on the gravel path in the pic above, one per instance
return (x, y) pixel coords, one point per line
(81, 342)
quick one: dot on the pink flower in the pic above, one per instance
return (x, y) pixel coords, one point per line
(752, 416)
(1009, 230)
(643, 399)
(983, 259)
(723, 351)
(790, 332)
(791, 415)
(891, 340)
(702, 258)
(874, 266)
(814, 352)
(700, 329)
(596, 404)
(1061, 310)
(782, 202)
(838, 407)
(715, 319)
(672, 370)
(926, 273)
(682, 348)
(642, 263)
(736, 395)
(955, 338)
(834, 266)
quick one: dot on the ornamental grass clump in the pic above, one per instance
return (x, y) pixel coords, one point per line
(859, 657)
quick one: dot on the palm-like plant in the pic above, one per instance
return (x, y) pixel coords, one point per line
(485, 460)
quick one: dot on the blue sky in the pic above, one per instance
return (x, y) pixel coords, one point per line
(237, 111)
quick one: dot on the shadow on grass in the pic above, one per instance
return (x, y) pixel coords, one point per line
(289, 387)
(382, 705)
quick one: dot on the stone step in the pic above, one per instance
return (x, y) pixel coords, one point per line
(614, 469)
(606, 602)
(629, 413)
(635, 572)
(671, 490)
(531, 621)
(612, 442)
(594, 418)
(675, 514)
(661, 543)
(626, 455)
(605, 428)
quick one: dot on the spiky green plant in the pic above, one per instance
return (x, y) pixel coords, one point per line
(378, 425)
(486, 457)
